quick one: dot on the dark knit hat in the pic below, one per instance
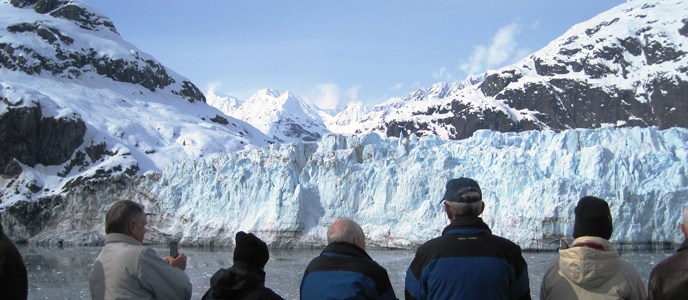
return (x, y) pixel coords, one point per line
(250, 249)
(459, 186)
(593, 218)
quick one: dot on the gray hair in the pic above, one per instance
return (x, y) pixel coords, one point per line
(465, 209)
(121, 214)
(344, 230)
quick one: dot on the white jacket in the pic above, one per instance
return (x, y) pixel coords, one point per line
(126, 269)
(586, 273)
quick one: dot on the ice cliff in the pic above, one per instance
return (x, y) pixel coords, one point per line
(289, 194)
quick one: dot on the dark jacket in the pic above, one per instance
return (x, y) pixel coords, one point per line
(468, 262)
(241, 281)
(13, 278)
(345, 271)
(669, 279)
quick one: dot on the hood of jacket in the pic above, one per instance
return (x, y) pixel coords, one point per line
(241, 278)
(588, 267)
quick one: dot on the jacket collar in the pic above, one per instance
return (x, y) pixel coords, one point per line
(582, 240)
(344, 249)
(467, 225)
(121, 238)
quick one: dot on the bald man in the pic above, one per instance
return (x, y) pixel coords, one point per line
(344, 270)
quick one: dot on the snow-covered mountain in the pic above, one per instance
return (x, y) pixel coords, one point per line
(79, 102)
(284, 117)
(226, 104)
(289, 194)
(625, 67)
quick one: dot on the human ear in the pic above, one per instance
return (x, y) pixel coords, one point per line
(448, 211)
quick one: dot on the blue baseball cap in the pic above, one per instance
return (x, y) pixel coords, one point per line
(458, 186)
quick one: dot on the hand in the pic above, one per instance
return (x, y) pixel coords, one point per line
(178, 262)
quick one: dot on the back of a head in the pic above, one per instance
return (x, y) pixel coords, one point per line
(593, 218)
(121, 214)
(250, 249)
(464, 197)
(344, 230)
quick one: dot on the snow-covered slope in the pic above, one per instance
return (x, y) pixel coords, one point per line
(289, 194)
(77, 101)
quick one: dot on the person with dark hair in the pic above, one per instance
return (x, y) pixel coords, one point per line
(467, 261)
(14, 282)
(246, 278)
(126, 269)
(669, 278)
(344, 270)
(590, 268)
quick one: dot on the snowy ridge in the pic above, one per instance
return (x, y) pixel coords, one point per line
(226, 104)
(531, 182)
(282, 116)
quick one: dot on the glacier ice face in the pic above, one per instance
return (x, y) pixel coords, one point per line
(289, 194)
(531, 181)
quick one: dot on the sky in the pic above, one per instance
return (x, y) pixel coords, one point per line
(334, 52)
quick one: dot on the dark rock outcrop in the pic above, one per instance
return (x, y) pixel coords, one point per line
(28, 137)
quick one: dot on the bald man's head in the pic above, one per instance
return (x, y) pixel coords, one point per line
(348, 231)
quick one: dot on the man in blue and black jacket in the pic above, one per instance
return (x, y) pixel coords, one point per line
(344, 270)
(467, 261)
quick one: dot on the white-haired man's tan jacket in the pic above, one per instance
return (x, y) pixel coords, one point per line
(126, 269)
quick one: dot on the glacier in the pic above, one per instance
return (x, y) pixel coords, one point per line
(289, 194)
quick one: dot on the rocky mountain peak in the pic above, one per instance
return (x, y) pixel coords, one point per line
(69, 10)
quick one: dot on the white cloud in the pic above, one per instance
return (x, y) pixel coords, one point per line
(213, 86)
(502, 50)
(329, 95)
(326, 95)
(352, 93)
(443, 74)
(396, 87)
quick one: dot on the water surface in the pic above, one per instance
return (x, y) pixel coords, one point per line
(62, 273)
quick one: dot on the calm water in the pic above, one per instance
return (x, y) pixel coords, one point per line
(62, 273)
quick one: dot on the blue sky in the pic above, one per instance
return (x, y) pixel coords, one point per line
(334, 52)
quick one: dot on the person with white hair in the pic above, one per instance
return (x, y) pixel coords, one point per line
(127, 269)
(344, 270)
(669, 278)
(467, 261)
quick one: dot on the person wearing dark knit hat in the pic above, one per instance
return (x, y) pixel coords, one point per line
(246, 278)
(590, 268)
(593, 218)
(467, 261)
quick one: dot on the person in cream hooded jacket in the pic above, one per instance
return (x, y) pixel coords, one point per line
(590, 268)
